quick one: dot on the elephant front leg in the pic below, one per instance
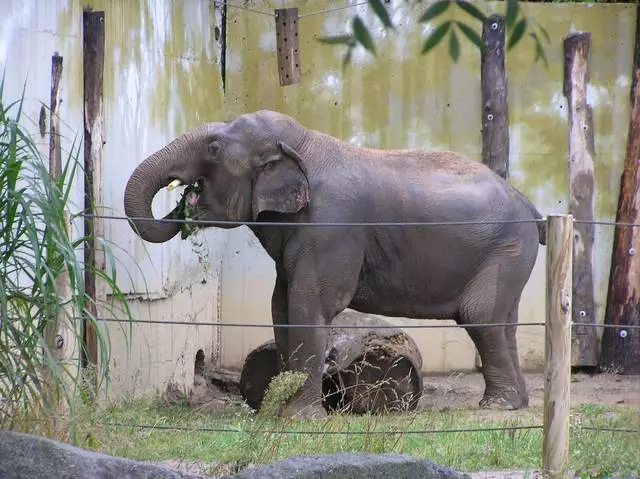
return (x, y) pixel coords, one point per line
(319, 288)
(306, 350)
(279, 316)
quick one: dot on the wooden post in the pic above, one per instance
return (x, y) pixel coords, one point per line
(557, 364)
(53, 336)
(584, 348)
(621, 346)
(55, 152)
(221, 38)
(93, 63)
(495, 108)
(287, 42)
(55, 170)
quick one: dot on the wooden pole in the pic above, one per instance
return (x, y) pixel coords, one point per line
(221, 38)
(495, 108)
(621, 346)
(584, 348)
(53, 336)
(55, 152)
(93, 63)
(55, 170)
(557, 365)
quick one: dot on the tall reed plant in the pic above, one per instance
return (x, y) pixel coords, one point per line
(39, 257)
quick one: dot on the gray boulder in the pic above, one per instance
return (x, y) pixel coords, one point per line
(27, 456)
(35, 457)
(351, 466)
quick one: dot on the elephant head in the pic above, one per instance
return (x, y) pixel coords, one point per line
(233, 171)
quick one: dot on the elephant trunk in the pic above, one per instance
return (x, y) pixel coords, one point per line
(153, 174)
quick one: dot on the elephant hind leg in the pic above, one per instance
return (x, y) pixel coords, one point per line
(486, 301)
(513, 349)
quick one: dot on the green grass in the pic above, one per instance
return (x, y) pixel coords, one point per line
(593, 453)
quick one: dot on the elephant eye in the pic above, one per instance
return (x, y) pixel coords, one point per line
(214, 148)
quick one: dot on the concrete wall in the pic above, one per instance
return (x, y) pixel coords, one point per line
(162, 76)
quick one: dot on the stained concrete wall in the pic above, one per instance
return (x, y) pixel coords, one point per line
(162, 76)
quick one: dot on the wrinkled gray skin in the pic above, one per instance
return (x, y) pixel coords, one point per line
(265, 166)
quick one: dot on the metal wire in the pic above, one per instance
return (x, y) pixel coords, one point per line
(196, 222)
(310, 14)
(331, 10)
(320, 326)
(241, 7)
(325, 224)
(607, 223)
(316, 433)
(170, 427)
(606, 429)
(358, 326)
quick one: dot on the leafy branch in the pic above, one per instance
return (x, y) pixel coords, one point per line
(517, 26)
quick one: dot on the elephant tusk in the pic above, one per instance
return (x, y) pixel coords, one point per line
(173, 184)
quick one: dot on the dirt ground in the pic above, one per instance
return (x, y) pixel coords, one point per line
(465, 390)
(462, 390)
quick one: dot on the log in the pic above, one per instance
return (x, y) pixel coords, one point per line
(366, 370)
(621, 345)
(584, 347)
(557, 351)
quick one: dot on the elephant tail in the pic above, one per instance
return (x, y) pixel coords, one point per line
(542, 225)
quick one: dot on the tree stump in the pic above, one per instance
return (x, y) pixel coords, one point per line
(369, 369)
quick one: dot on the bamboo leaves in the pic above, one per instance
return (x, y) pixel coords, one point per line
(444, 22)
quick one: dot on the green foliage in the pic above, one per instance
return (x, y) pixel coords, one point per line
(517, 26)
(38, 258)
(281, 388)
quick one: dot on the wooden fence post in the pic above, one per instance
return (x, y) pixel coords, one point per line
(93, 68)
(584, 348)
(557, 365)
(621, 346)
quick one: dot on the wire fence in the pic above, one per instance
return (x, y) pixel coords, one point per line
(413, 325)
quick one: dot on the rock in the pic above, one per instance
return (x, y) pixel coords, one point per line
(366, 369)
(34, 457)
(351, 466)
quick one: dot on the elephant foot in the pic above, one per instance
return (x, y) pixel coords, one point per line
(508, 400)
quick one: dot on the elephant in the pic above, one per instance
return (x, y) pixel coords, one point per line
(263, 168)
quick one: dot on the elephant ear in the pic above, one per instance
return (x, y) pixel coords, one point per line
(282, 184)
